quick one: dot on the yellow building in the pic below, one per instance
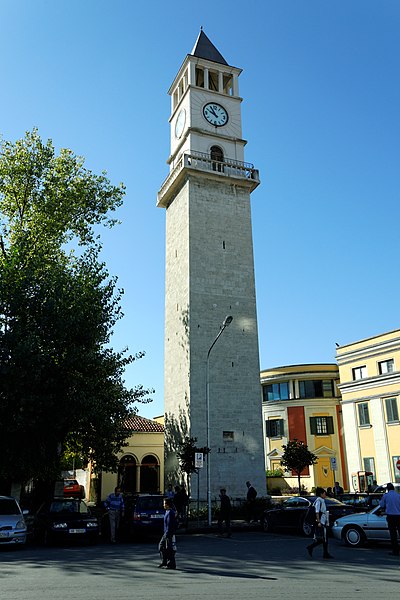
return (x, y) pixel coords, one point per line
(303, 402)
(141, 462)
(370, 387)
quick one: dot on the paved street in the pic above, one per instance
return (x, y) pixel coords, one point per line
(250, 565)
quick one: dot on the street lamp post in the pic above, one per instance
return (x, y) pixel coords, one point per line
(227, 321)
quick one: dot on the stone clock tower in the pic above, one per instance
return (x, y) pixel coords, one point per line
(212, 390)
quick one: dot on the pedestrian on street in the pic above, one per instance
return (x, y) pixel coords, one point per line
(167, 545)
(178, 501)
(170, 492)
(115, 506)
(224, 513)
(321, 524)
(337, 489)
(251, 502)
(391, 503)
(183, 516)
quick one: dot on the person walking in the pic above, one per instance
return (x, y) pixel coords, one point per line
(167, 545)
(251, 502)
(321, 524)
(390, 502)
(115, 506)
(224, 513)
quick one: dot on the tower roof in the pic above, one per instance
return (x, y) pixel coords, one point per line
(204, 48)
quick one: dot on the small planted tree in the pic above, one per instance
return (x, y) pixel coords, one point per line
(186, 455)
(296, 457)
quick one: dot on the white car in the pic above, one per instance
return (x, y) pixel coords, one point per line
(12, 523)
(382, 488)
(359, 528)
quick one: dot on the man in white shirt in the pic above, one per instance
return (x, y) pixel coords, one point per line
(321, 524)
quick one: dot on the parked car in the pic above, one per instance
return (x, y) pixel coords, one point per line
(290, 514)
(382, 488)
(361, 502)
(147, 516)
(12, 523)
(359, 528)
(65, 520)
(72, 489)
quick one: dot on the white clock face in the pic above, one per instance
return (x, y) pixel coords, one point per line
(180, 123)
(215, 114)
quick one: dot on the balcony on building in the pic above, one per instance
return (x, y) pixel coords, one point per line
(241, 173)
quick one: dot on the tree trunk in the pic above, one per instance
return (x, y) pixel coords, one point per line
(299, 479)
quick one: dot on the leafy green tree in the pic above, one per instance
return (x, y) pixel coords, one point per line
(296, 457)
(61, 384)
(187, 450)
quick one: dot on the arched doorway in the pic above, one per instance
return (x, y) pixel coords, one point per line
(150, 474)
(127, 474)
(217, 155)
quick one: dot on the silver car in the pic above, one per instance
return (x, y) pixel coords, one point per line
(359, 528)
(12, 523)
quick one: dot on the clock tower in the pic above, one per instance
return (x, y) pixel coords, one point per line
(212, 377)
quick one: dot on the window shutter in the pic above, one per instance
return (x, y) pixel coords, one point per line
(281, 427)
(267, 429)
(313, 425)
(329, 425)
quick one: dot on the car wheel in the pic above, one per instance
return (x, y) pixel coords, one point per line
(267, 525)
(307, 529)
(354, 536)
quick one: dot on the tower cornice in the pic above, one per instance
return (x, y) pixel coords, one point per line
(202, 166)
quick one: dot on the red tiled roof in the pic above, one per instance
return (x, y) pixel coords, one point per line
(141, 424)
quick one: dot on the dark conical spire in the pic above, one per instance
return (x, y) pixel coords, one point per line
(204, 48)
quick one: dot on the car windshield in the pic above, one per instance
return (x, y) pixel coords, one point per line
(332, 501)
(295, 502)
(149, 503)
(8, 506)
(68, 506)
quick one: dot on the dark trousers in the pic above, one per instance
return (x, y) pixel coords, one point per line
(393, 522)
(321, 538)
(167, 553)
(221, 519)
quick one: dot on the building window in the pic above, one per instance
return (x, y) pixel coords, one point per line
(213, 81)
(321, 425)
(218, 156)
(369, 465)
(319, 388)
(199, 77)
(363, 414)
(396, 470)
(274, 428)
(359, 373)
(386, 366)
(276, 391)
(228, 436)
(228, 84)
(392, 411)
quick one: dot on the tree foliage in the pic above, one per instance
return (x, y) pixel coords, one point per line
(186, 455)
(61, 384)
(296, 457)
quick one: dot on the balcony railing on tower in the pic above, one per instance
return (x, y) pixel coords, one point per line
(200, 161)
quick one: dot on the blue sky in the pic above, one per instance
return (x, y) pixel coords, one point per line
(321, 93)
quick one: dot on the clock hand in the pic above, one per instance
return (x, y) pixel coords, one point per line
(213, 112)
